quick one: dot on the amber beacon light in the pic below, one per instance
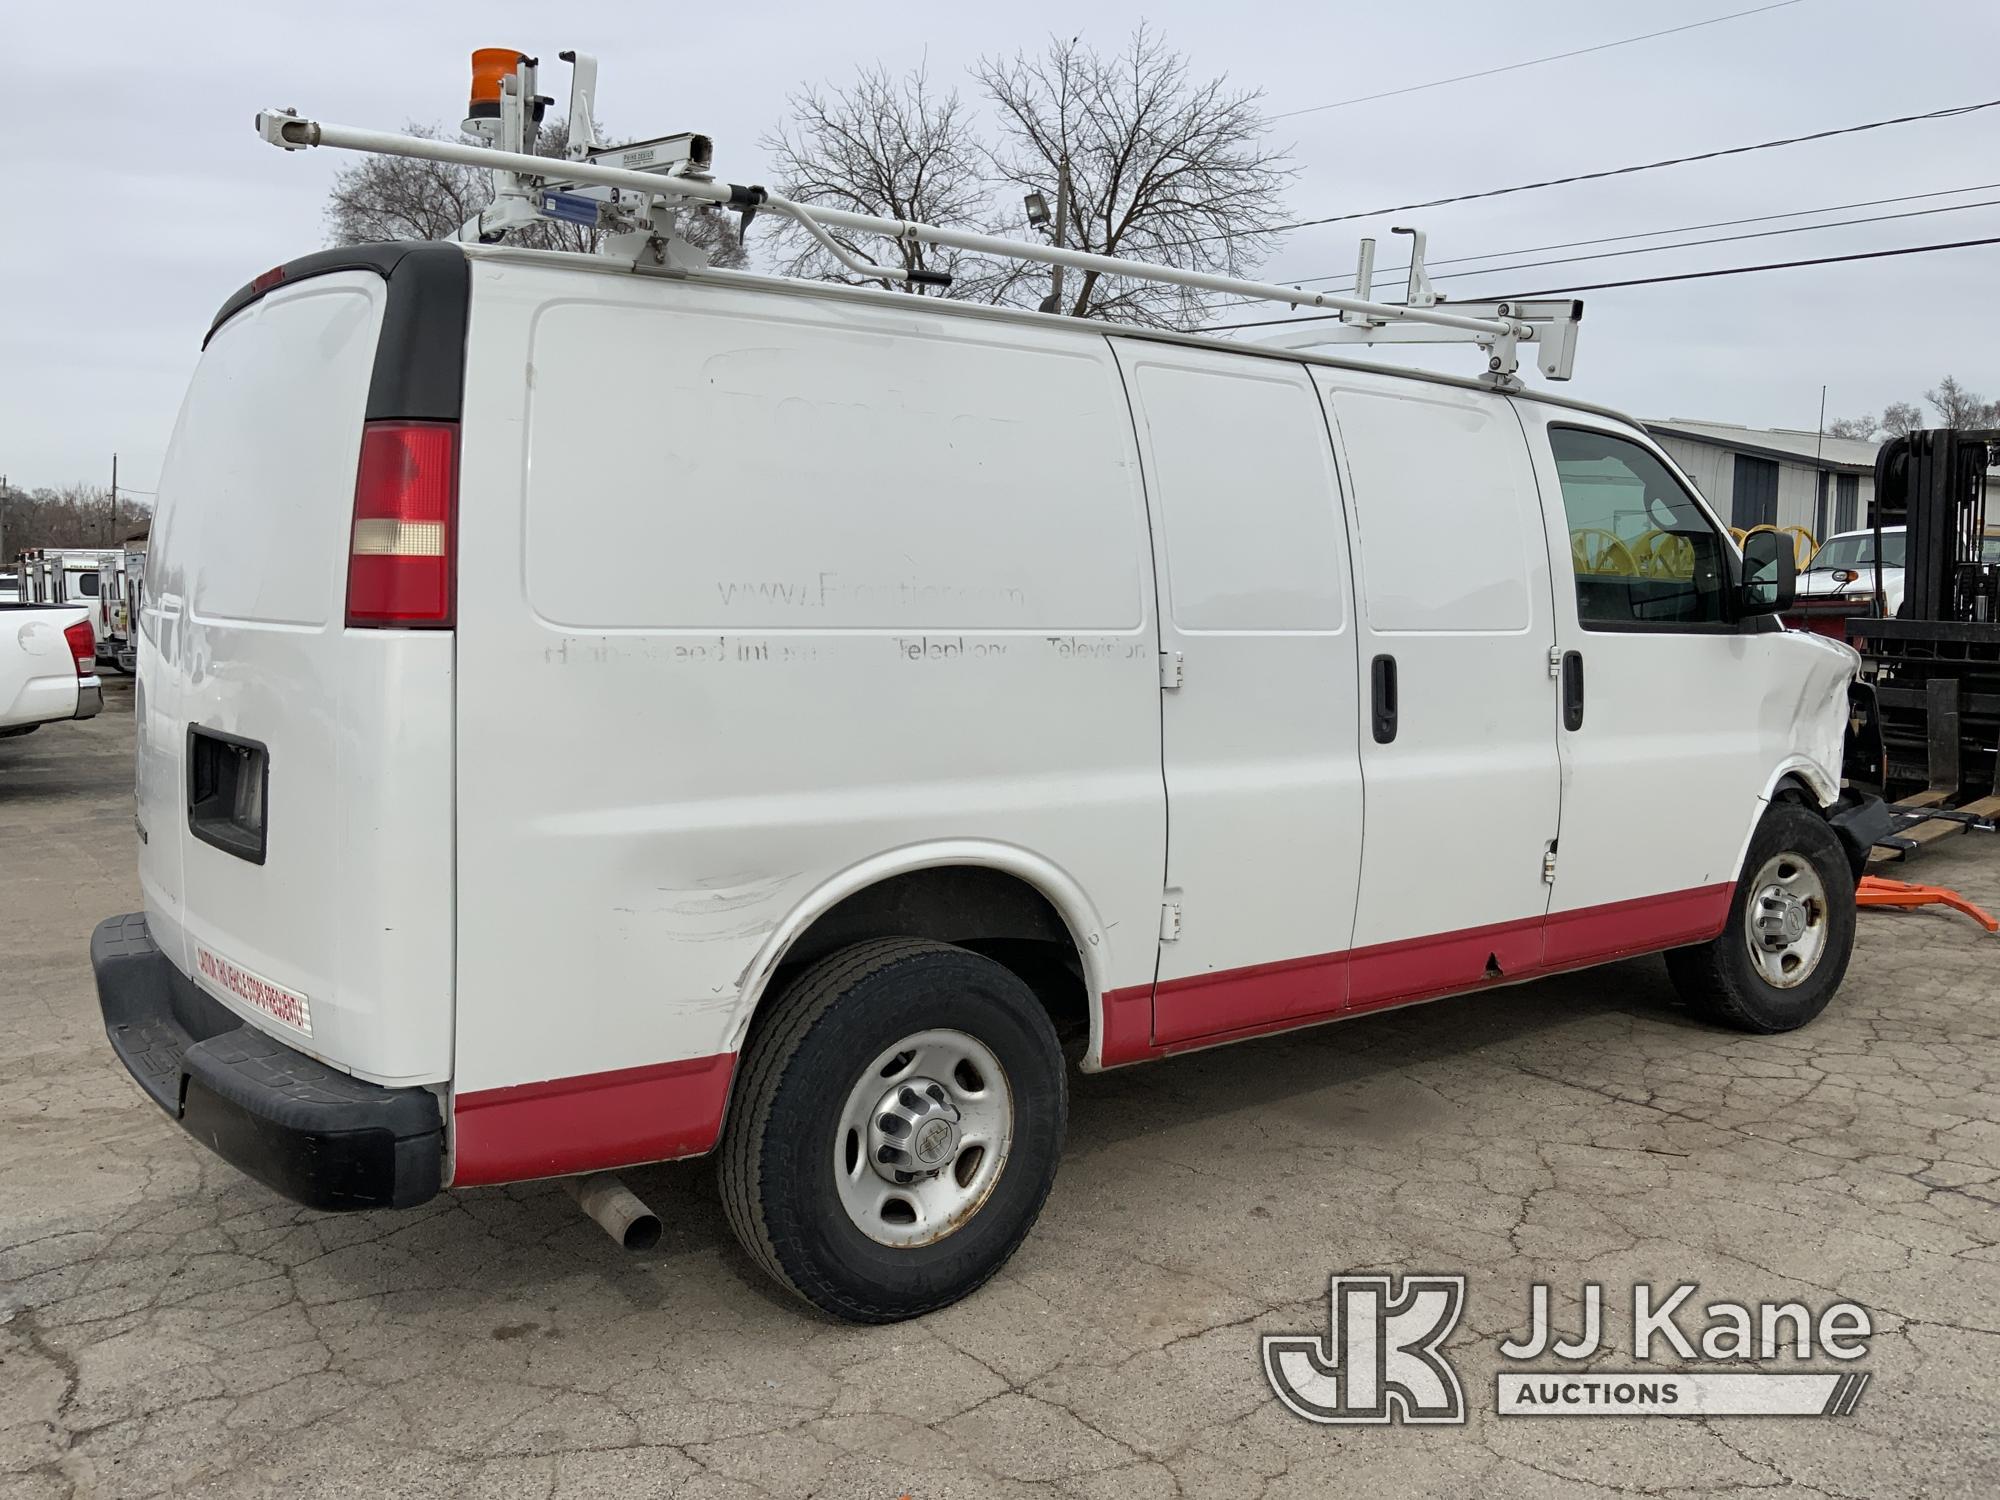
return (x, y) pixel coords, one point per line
(490, 69)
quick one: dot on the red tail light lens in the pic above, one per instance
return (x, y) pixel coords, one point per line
(82, 646)
(400, 561)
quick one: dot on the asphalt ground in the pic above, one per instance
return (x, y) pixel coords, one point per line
(168, 1326)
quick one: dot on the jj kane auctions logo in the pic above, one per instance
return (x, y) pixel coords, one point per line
(1382, 1357)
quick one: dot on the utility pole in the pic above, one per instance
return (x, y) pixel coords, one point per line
(1062, 227)
(114, 500)
(1826, 508)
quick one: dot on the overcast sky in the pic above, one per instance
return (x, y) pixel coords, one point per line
(138, 196)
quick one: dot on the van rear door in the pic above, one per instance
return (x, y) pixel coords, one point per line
(295, 771)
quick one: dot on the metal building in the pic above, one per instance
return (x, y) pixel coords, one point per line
(1775, 476)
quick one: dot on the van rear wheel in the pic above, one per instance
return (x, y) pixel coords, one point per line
(1785, 947)
(896, 1130)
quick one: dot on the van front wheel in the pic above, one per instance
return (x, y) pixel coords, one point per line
(1790, 931)
(896, 1129)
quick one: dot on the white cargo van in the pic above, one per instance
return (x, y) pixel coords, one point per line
(968, 686)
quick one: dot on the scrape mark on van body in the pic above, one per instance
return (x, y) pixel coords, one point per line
(721, 894)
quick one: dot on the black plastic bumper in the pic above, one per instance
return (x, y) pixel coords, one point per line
(1861, 819)
(313, 1133)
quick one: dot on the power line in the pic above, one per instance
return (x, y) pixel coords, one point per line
(1778, 265)
(1717, 239)
(1601, 286)
(1647, 234)
(1533, 62)
(1611, 239)
(1650, 166)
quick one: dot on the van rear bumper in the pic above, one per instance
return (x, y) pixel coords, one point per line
(311, 1132)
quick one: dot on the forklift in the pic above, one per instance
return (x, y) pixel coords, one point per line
(1926, 729)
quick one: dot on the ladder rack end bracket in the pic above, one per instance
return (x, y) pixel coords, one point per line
(284, 129)
(1420, 292)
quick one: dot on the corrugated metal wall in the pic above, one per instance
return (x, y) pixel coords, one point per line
(1713, 470)
(1798, 489)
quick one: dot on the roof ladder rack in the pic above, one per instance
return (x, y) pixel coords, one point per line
(632, 192)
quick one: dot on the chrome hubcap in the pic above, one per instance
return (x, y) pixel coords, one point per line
(1786, 920)
(923, 1137)
(913, 1130)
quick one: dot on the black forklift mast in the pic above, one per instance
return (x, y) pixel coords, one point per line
(1935, 665)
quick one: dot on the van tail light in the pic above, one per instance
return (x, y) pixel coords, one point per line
(400, 562)
(82, 647)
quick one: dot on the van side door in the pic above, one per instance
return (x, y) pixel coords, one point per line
(1665, 745)
(1259, 711)
(1458, 741)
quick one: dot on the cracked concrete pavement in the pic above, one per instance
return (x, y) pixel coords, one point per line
(168, 1326)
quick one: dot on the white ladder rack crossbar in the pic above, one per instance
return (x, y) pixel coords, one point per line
(292, 133)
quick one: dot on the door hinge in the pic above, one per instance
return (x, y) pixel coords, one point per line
(1170, 669)
(1555, 661)
(1170, 919)
(1549, 863)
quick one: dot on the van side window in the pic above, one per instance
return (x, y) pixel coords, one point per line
(1643, 553)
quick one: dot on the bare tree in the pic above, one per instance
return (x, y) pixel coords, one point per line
(404, 198)
(1899, 417)
(77, 515)
(1960, 409)
(1162, 167)
(1861, 428)
(892, 147)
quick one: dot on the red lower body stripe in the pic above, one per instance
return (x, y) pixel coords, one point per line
(1177, 1015)
(599, 1122)
(592, 1123)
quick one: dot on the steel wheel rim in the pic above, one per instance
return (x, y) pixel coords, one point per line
(1785, 922)
(915, 1185)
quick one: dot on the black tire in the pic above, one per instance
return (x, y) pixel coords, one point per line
(1721, 979)
(776, 1163)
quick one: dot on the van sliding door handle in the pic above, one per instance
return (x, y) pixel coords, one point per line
(1572, 680)
(1382, 679)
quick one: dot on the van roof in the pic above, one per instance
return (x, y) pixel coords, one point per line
(799, 287)
(385, 258)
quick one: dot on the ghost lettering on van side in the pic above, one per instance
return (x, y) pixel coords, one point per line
(945, 648)
(1075, 648)
(720, 650)
(732, 649)
(824, 590)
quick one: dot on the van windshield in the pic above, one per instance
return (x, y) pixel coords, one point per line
(1858, 550)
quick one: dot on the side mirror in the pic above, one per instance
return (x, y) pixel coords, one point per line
(1770, 575)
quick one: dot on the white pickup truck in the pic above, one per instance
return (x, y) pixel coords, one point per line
(48, 666)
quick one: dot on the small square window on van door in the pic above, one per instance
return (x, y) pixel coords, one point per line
(1643, 553)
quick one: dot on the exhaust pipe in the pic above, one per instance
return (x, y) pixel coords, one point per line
(617, 1212)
